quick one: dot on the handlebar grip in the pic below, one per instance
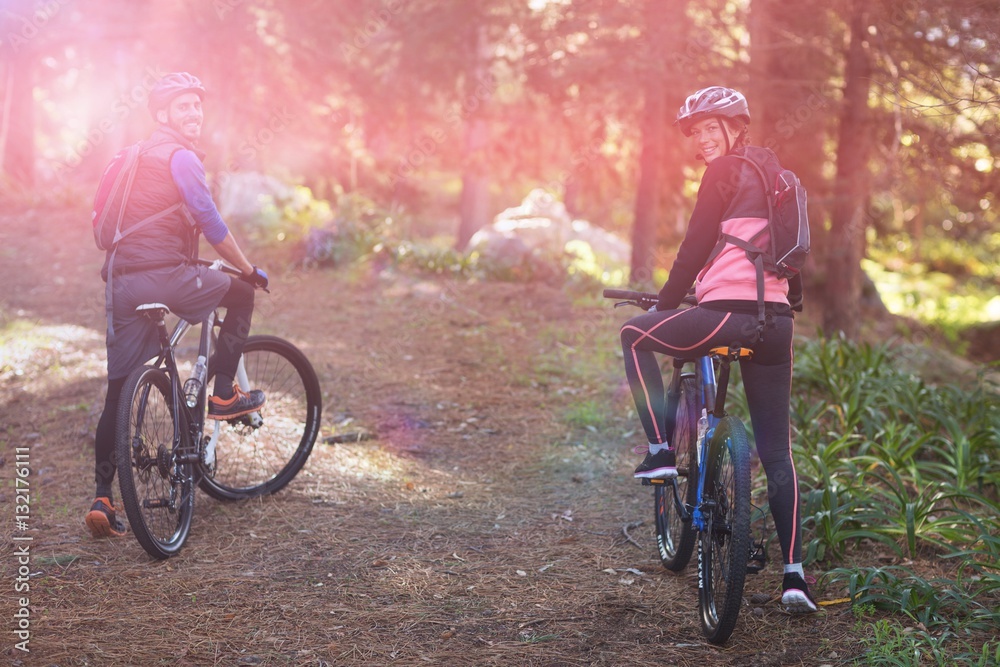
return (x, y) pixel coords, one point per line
(629, 295)
(225, 268)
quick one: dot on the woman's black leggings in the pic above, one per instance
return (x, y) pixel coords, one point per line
(767, 380)
(238, 302)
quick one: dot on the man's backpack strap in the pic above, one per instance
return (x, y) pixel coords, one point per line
(119, 235)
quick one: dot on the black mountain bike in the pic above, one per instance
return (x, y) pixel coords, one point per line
(709, 502)
(165, 445)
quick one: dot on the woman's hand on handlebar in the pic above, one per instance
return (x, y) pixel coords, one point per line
(645, 300)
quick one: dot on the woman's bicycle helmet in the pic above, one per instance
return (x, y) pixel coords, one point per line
(712, 101)
(172, 85)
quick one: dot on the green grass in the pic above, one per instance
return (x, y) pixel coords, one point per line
(889, 462)
(949, 284)
(890, 465)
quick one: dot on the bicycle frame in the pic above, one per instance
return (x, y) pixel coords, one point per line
(196, 414)
(168, 360)
(712, 401)
(716, 507)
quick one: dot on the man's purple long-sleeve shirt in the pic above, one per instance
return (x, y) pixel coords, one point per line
(189, 175)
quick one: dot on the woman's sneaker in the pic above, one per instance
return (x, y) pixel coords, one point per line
(239, 404)
(103, 521)
(661, 465)
(795, 595)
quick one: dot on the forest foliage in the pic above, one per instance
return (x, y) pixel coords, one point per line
(444, 113)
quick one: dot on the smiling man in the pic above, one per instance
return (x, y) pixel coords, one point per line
(168, 206)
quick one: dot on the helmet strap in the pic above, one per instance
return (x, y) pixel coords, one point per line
(732, 143)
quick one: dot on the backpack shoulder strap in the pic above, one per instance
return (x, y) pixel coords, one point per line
(763, 181)
(754, 253)
(734, 240)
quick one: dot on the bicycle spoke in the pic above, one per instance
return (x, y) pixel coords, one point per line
(675, 536)
(253, 459)
(725, 543)
(157, 490)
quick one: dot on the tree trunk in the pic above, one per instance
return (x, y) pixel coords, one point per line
(648, 211)
(17, 113)
(760, 23)
(647, 199)
(848, 223)
(474, 203)
(789, 106)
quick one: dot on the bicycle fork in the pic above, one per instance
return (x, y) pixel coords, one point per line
(707, 422)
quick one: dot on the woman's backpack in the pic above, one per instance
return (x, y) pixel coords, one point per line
(788, 223)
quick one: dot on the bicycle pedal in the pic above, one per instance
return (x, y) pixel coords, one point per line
(758, 559)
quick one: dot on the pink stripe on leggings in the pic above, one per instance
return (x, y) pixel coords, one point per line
(648, 334)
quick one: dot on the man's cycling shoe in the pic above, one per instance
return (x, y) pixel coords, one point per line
(795, 595)
(241, 403)
(661, 465)
(103, 521)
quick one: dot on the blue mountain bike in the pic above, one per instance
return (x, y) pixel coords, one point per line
(709, 502)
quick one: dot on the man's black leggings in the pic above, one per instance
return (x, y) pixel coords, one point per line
(238, 302)
(767, 380)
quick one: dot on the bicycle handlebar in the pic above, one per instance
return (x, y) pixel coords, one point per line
(629, 295)
(642, 300)
(219, 265)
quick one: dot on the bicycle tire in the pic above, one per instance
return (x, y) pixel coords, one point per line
(157, 490)
(724, 544)
(675, 538)
(256, 460)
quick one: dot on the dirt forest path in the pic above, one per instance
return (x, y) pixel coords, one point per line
(481, 525)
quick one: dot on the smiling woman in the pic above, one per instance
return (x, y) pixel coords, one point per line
(714, 137)
(736, 305)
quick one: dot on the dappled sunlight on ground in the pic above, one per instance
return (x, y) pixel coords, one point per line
(482, 520)
(39, 354)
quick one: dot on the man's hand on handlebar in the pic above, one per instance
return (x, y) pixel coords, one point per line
(257, 278)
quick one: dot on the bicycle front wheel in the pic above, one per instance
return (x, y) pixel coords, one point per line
(261, 453)
(724, 544)
(675, 536)
(157, 488)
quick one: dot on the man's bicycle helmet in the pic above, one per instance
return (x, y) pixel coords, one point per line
(712, 101)
(172, 85)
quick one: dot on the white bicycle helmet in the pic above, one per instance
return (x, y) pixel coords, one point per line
(171, 86)
(712, 101)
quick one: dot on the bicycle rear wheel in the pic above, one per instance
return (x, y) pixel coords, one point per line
(675, 537)
(261, 453)
(157, 489)
(724, 544)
